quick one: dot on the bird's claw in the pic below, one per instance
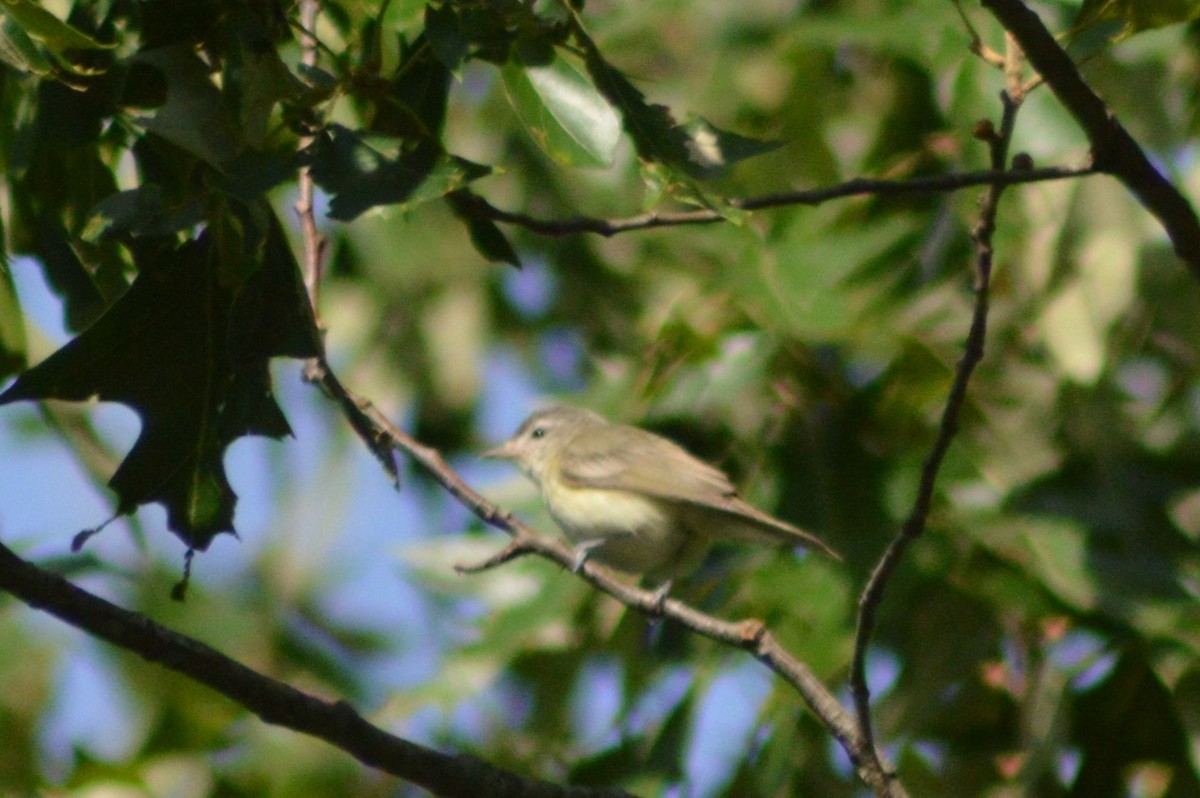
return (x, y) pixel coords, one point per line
(659, 600)
(583, 551)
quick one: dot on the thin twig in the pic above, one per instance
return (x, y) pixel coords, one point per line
(316, 250)
(976, 45)
(273, 701)
(857, 187)
(315, 244)
(1114, 151)
(914, 525)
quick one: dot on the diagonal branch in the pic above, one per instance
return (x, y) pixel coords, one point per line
(277, 703)
(857, 187)
(914, 525)
(1114, 151)
(749, 635)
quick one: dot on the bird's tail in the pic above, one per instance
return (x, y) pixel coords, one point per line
(747, 524)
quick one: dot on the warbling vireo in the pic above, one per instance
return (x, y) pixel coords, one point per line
(634, 500)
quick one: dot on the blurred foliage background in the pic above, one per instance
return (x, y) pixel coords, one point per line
(1040, 639)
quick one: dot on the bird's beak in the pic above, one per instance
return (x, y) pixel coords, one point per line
(505, 451)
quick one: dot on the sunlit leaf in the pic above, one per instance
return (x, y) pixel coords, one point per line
(563, 112)
(19, 51)
(43, 26)
(1073, 335)
(712, 150)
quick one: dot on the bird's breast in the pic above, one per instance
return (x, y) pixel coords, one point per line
(640, 533)
(586, 513)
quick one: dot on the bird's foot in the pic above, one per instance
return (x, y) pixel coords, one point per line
(584, 550)
(659, 600)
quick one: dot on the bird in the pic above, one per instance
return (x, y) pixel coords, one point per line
(634, 500)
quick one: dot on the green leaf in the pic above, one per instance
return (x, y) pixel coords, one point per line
(1072, 336)
(360, 177)
(564, 113)
(802, 284)
(12, 325)
(140, 211)
(487, 238)
(194, 115)
(68, 276)
(253, 173)
(1057, 554)
(320, 84)
(1077, 319)
(652, 128)
(460, 31)
(189, 354)
(20, 51)
(254, 80)
(1134, 16)
(26, 25)
(414, 106)
(239, 238)
(48, 29)
(674, 157)
(712, 151)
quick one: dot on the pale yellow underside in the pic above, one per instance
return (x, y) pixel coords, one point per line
(642, 534)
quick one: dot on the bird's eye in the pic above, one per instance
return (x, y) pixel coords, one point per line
(538, 432)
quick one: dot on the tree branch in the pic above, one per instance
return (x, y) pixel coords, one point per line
(337, 723)
(1114, 151)
(750, 635)
(857, 187)
(914, 525)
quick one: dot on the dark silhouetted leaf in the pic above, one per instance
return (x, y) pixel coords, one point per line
(655, 134)
(487, 238)
(360, 177)
(414, 106)
(140, 211)
(254, 78)
(194, 115)
(320, 82)
(252, 174)
(1129, 718)
(459, 31)
(68, 277)
(189, 353)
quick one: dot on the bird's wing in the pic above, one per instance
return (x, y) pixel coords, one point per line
(618, 457)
